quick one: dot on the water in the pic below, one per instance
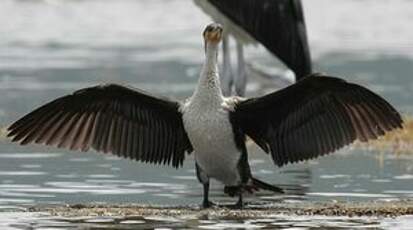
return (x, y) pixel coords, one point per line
(278, 222)
(51, 48)
(281, 222)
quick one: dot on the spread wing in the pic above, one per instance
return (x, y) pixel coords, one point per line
(109, 118)
(277, 24)
(314, 117)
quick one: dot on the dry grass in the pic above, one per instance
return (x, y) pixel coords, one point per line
(399, 141)
(3, 133)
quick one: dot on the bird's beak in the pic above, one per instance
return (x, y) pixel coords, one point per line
(213, 33)
(214, 36)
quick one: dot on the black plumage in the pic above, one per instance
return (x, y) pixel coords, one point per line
(313, 117)
(109, 118)
(277, 24)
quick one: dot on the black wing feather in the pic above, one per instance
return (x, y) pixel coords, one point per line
(109, 118)
(277, 24)
(314, 117)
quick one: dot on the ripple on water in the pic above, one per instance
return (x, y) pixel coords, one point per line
(158, 185)
(95, 191)
(32, 220)
(381, 181)
(169, 195)
(81, 159)
(15, 208)
(67, 176)
(16, 201)
(28, 155)
(335, 176)
(30, 166)
(12, 193)
(410, 192)
(22, 173)
(70, 188)
(338, 194)
(184, 177)
(132, 222)
(100, 220)
(163, 219)
(404, 177)
(128, 182)
(341, 185)
(306, 222)
(401, 223)
(101, 176)
(9, 186)
(232, 226)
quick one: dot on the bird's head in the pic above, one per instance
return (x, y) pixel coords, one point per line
(213, 34)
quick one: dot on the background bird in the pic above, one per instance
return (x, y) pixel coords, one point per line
(313, 117)
(277, 24)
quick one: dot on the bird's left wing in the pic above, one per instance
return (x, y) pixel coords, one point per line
(313, 117)
(109, 118)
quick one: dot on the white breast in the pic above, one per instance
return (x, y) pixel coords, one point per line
(212, 138)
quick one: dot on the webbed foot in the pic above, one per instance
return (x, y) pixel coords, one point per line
(208, 204)
(238, 205)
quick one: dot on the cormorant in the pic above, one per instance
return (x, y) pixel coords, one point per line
(313, 117)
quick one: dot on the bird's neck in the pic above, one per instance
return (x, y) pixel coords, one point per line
(209, 88)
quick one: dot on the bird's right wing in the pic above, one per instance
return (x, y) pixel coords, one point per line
(109, 118)
(313, 117)
(277, 24)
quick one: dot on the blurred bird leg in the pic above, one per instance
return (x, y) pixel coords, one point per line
(274, 79)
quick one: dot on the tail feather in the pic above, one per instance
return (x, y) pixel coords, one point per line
(263, 185)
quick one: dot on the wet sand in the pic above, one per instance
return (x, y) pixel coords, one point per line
(350, 209)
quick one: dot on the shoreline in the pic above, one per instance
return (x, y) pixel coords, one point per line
(349, 209)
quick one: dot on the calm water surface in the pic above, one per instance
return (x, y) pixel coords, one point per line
(51, 48)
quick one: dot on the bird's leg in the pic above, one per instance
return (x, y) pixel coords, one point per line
(241, 81)
(239, 204)
(204, 179)
(227, 76)
(235, 190)
(206, 203)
